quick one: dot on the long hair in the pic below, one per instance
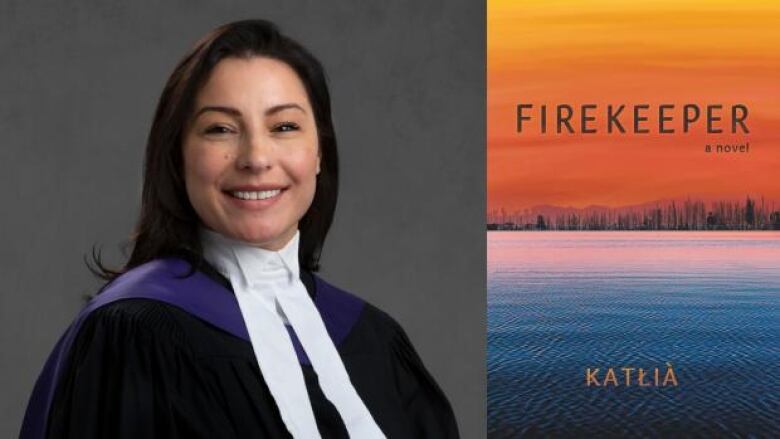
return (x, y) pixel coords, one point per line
(168, 224)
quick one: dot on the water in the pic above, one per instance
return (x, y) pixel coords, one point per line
(706, 302)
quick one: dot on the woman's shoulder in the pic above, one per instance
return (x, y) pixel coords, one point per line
(161, 327)
(142, 313)
(368, 317)
(384, 320)
(171, 296)
(138, 301)
(135, 320)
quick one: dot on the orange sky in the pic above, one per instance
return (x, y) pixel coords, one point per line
(602, 52)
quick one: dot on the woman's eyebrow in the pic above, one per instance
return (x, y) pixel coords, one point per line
(281, 107)
(218, 108)
(234, 112)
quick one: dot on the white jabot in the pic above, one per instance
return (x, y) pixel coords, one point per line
(270, 294)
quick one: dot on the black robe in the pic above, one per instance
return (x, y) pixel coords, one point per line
(143, 368)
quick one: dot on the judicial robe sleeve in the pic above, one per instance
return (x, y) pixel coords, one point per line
(123, 377)
(425, 403)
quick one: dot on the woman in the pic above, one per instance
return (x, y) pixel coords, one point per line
(217, 326)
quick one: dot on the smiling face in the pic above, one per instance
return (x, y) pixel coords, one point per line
(251, 153)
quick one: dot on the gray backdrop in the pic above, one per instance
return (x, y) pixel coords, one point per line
(80, 81)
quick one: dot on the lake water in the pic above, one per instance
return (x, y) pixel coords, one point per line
(708, 303)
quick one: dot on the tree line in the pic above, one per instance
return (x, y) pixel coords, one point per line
(671, 215)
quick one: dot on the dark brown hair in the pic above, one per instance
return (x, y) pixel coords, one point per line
(168, 224)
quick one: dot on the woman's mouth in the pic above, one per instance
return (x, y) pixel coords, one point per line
(255, 195)
(254, 200)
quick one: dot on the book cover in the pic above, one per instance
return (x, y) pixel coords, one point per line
(633, 219)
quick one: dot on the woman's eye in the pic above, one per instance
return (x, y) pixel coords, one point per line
(218, 129)
(285, 127)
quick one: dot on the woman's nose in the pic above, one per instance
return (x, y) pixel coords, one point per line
(255, 153)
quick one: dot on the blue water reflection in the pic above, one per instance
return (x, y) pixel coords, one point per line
(706, 302)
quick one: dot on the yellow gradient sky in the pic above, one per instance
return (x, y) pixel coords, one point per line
(601, 52)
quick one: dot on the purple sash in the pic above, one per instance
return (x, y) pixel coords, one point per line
(200, 296)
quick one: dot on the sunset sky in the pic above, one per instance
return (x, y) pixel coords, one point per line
(618, 52)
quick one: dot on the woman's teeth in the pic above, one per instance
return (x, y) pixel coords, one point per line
(255, 195)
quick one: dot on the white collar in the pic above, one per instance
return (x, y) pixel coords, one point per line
(255, 264)
(270, 294)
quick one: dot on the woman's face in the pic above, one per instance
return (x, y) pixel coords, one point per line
(251, 154)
